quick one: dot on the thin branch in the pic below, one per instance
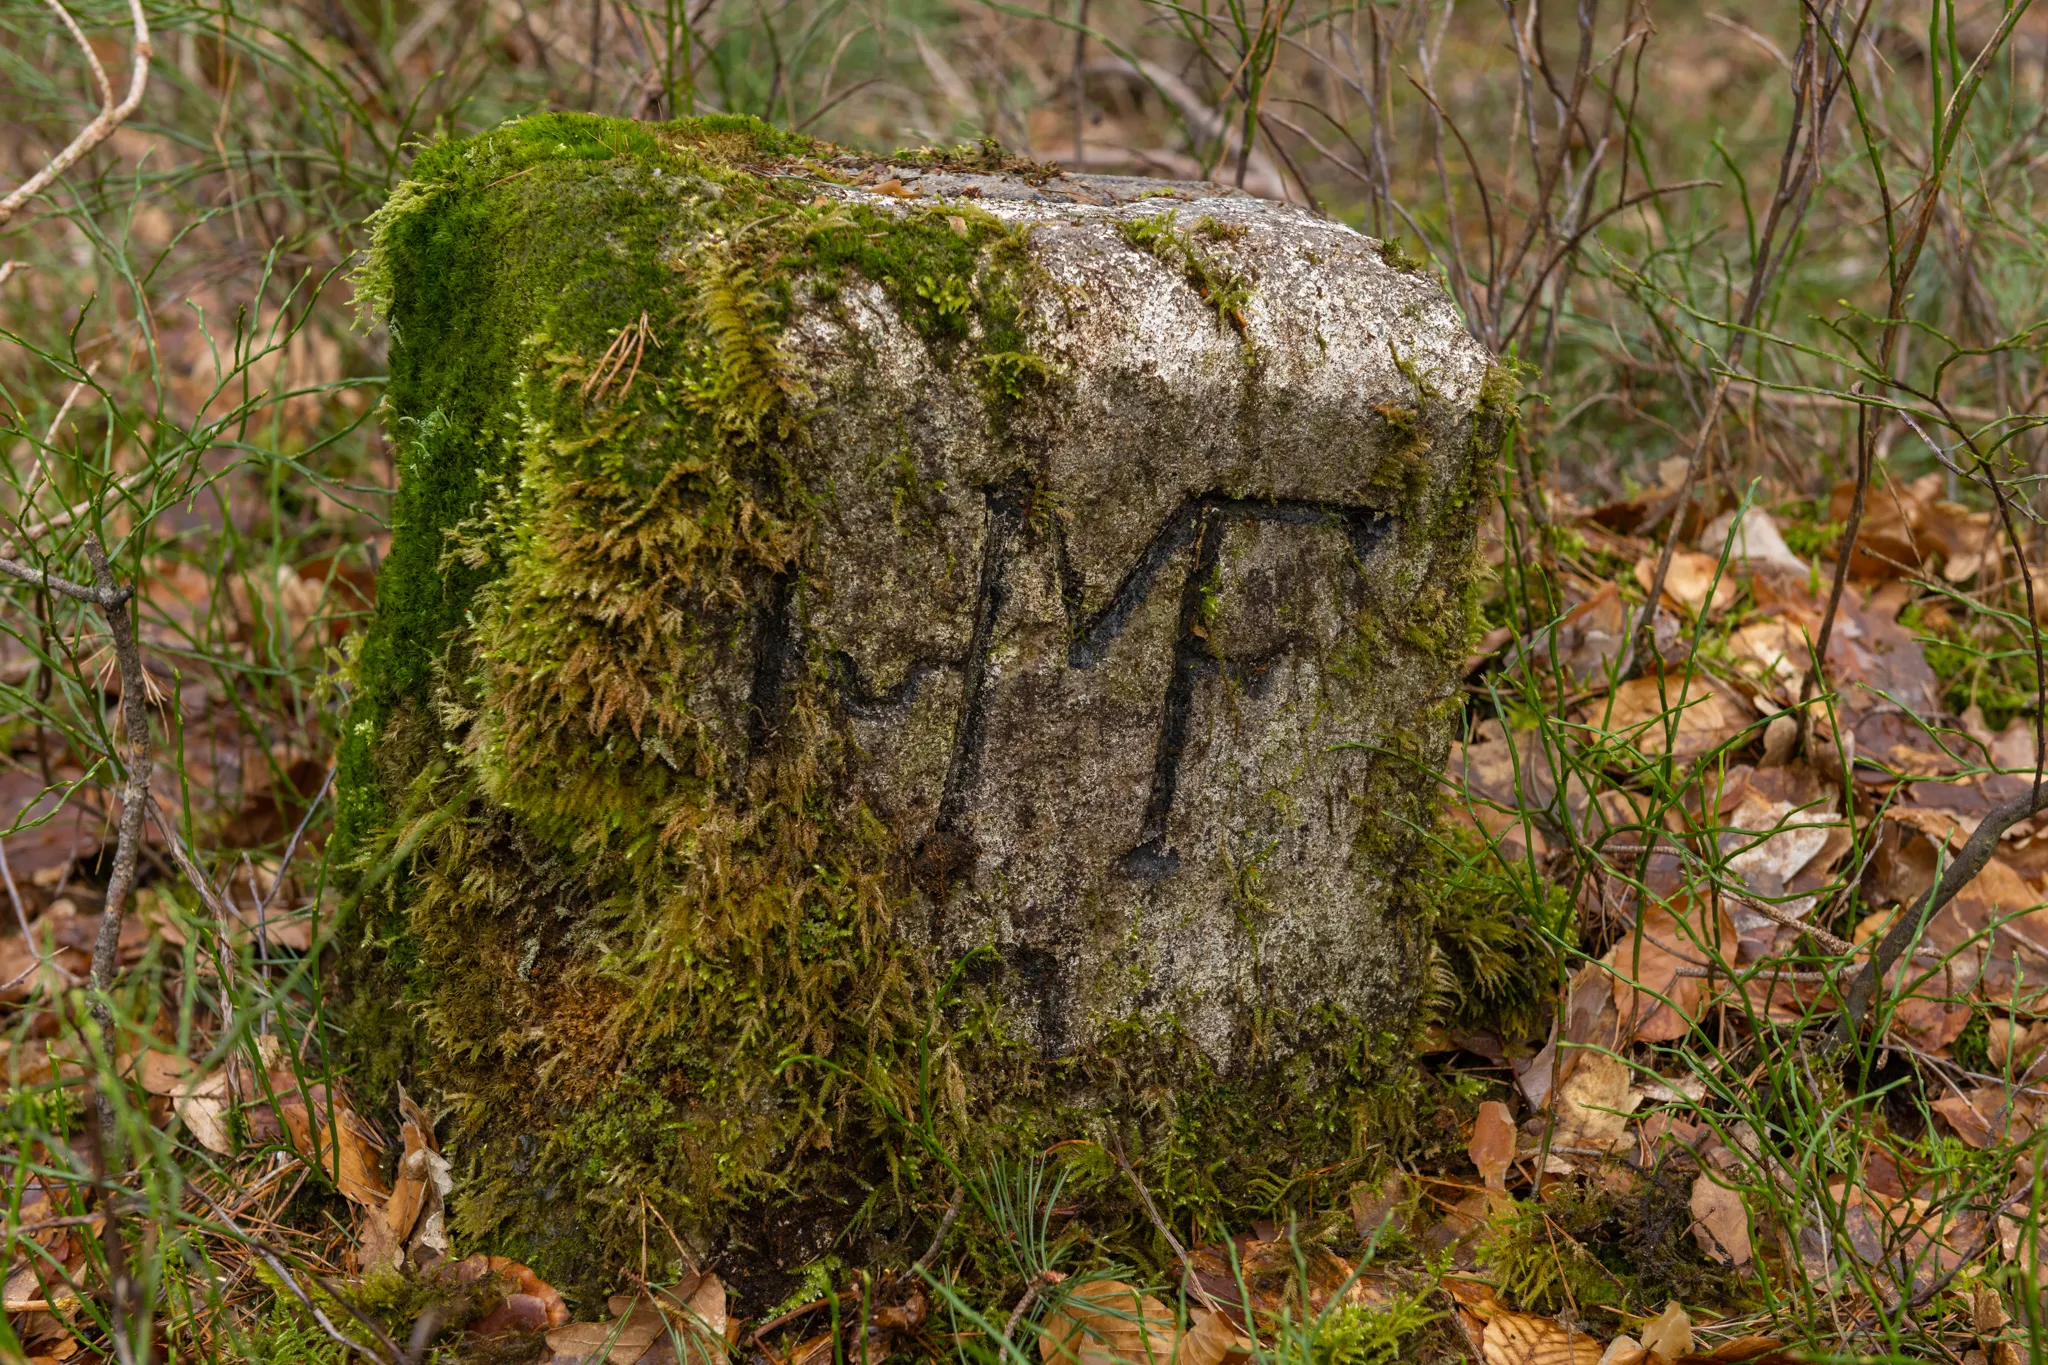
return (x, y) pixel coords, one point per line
(104, 597)
(135, 800)
(931, 1253)
(1968, 863)
(1152, 1211)
(110, 117)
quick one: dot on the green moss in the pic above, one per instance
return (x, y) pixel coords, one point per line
(1396, 256)
(1498, 943)
(1356, 1335)
(985, 157)
(1222, 288)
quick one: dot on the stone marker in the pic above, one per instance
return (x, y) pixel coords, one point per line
(813, 574)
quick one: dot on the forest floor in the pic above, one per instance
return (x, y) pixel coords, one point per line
(1751, 751)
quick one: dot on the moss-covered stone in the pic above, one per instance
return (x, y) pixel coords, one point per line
(813, 575)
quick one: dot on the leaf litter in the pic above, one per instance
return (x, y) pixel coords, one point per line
(1722, 908)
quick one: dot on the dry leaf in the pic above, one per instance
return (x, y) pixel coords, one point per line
(1669, 1334)
(1106, 1322)
(1373, 1206)
(1689, 581)
(1522, 1339)
(162, 1073)
(1688, 716)
(1781, 834)
(1493, 1145)
(1211, 1337)
(1720, 1221)
(1280, 1273)
(1623, 1351)
(333, 1138)
(531, 1303)
(1586, 643)
(620, 1341)
(695, 1309)
(409, 1191)
(1775, 655)
(202, 1106)
(1757, 541)
(1987, 1115)
(1594, 1103)
(1653, 1001)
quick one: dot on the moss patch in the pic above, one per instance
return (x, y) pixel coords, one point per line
(1223, 289)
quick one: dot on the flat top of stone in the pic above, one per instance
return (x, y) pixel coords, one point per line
(1063, 188)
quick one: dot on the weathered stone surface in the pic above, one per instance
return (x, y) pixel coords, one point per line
(809, 571)
(1129, 731)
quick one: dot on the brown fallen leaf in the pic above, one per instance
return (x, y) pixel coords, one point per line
(620, 1341)
(1210, 1339)
(1720, 1221)
(1624, 1350)
(1907, 527)
(333, 1138)
(162, 1073)
(1373, 1207)
(1654, 1002)
(1587, 642)
(527, 1294)
(1493, 1145)
(1106, 1322)
(1690, 581)
(1755, 541)
(1594, 1103)
(1590, 1021)
(1281, 1274)
(695, 1310)
(1684, 716)
(409, 1191)
(1523, 1339)
(1774, 655)
(1669, 1334)
(1987, 1114)
(202, 1106)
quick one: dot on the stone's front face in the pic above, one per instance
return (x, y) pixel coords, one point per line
(801, 581)
(1123, 671)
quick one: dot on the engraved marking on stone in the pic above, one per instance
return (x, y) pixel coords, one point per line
(1202, 522)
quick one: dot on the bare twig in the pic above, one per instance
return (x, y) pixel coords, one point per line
(110, 117)
(1152, 1211)
(1045, 1279)
(1817, 84)
(1968, 863)
(1901, 262)
(28, 938)
(1791, 921)
(64, 587)
(931, 1253)
(135, 802)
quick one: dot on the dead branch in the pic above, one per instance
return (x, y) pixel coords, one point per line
(110, 117)
(1152, 1211)
(1968, 863)
(113, 603)
(931, 1253)
(112, 599)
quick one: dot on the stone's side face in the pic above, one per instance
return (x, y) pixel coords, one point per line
(1114, 672)
(808, 571)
